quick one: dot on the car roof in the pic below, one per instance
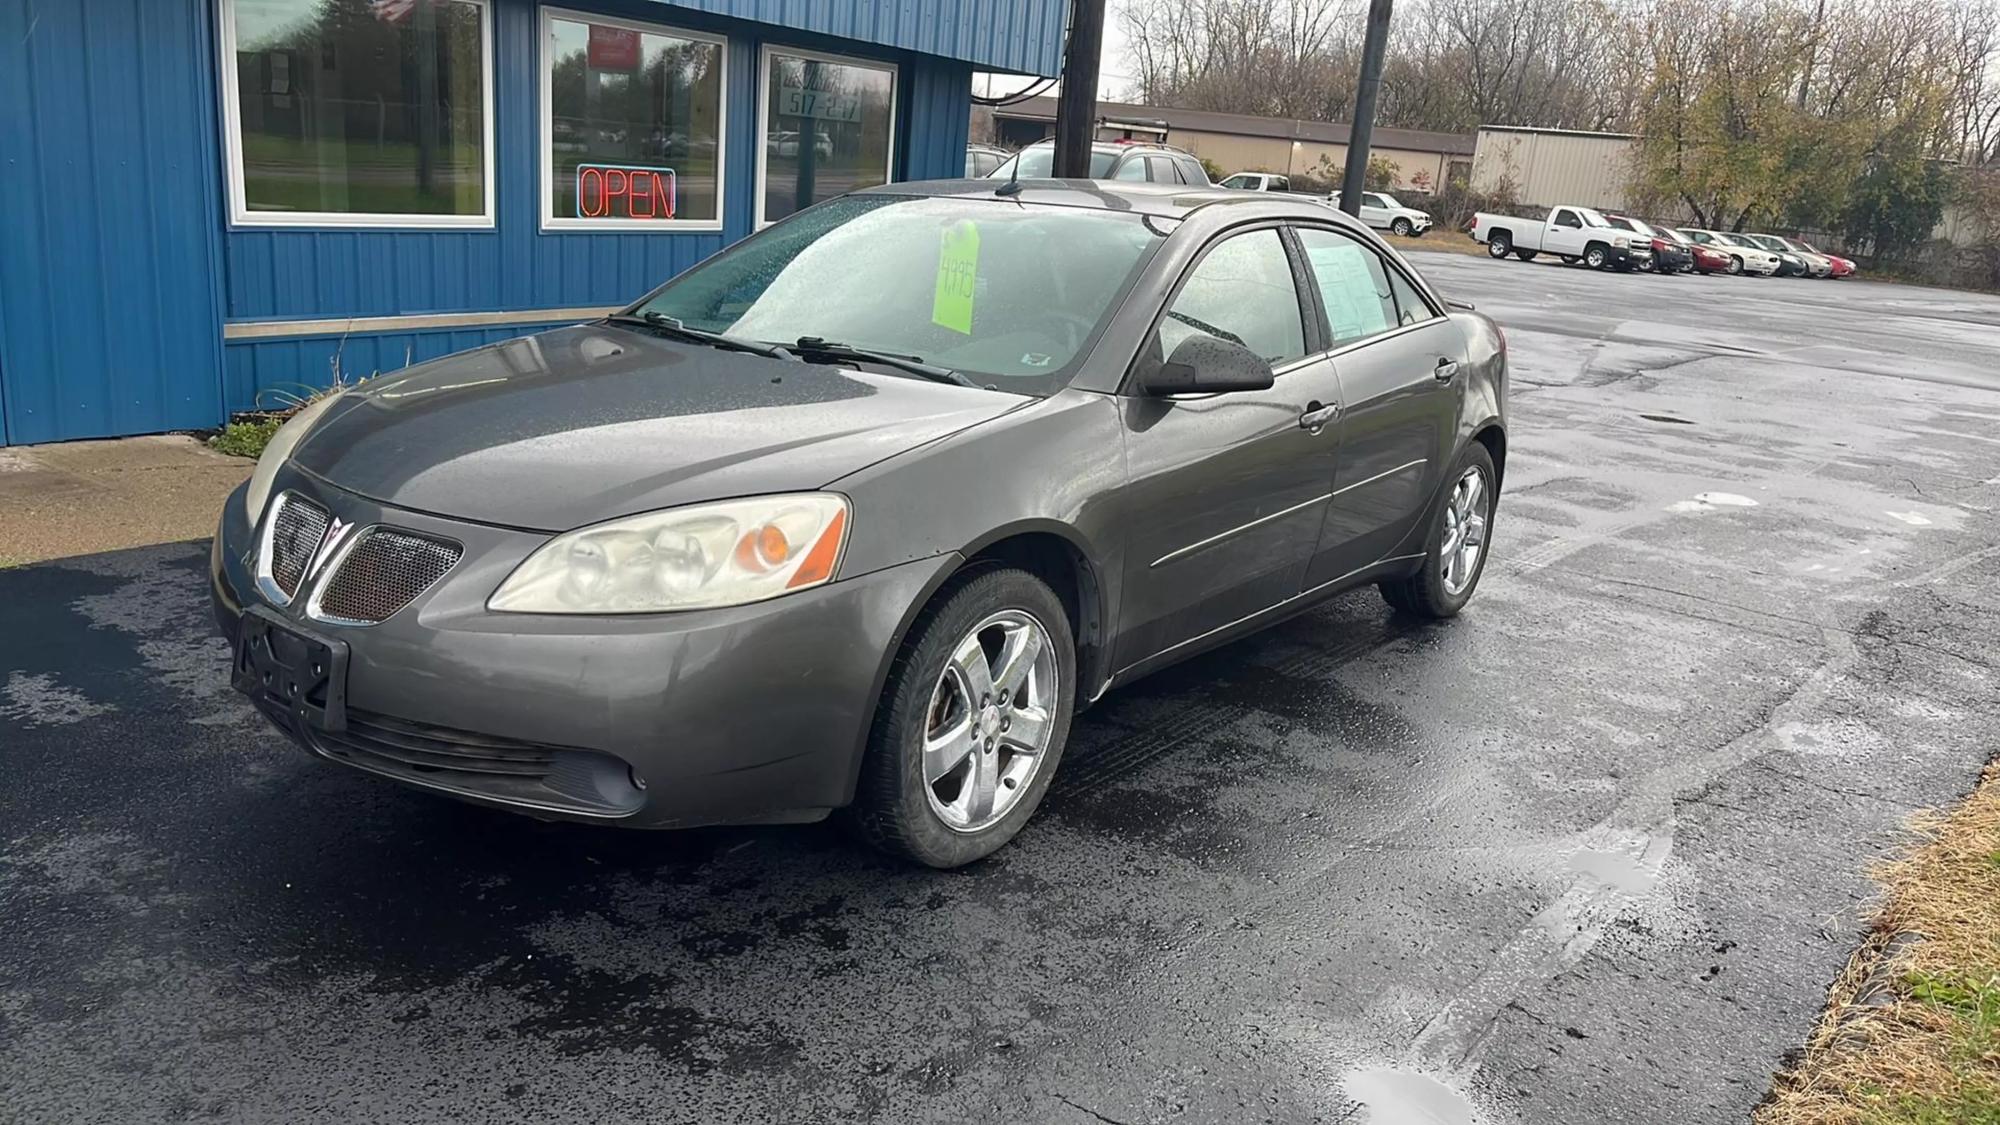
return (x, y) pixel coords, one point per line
(1172, 201)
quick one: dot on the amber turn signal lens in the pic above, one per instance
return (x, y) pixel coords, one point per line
(818, 564)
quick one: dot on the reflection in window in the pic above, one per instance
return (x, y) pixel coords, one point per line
(828, 128)
(634, 124)
(1241, 291)
(361, 107)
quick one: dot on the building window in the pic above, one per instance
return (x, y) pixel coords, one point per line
(829, 126)
(632, 125)
(359, 112)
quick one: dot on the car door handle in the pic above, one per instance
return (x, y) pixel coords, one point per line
(1316, 416)
(1445, 369)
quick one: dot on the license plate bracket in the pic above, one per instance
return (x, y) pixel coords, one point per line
(294, 675)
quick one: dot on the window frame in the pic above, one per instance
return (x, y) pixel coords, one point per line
(545, 63)
(760, 138)
(238, 191)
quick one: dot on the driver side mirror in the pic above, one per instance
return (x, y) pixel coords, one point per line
(1204, 364)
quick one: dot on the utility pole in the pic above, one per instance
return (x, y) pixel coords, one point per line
(1076, 108)
(1361, 133)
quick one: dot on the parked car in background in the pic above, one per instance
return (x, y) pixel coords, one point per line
(800, 530)
(981, 160)
(1112, 160)
(1817, 263)
(1574, 234)
(1671, 253)
(1743, 257)
(1842, 267)
(1381, 210)
(1257, 181)
(1790, 264)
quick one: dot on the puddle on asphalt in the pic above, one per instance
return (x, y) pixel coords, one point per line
(1914, 519)
(1400, 1097)
(1709, 501)
(1621, 871)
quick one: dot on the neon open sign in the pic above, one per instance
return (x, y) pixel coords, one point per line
(624, 191)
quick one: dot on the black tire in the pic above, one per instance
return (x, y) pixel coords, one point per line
(1499, 244)
(1595, 256)
(1424, 593)
(1735, 266)
(892, 809)
(1401, 228)
(1525, 255)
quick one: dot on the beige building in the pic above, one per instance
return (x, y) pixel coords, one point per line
(1236, 142)
(1552, 166)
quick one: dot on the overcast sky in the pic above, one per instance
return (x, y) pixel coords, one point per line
(1114, 67)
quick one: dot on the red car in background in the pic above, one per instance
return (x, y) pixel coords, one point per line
(1708, 259)
(1842, 267)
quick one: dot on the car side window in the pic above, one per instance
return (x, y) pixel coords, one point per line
(1568, 219)
(1374, 200)
(1236, 182)
(1191, 170)
(1411, 307)
(1133, 169)
(1161, 170)
(1354, 285)
(1241, 291)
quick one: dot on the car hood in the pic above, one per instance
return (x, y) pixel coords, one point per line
(584, 424)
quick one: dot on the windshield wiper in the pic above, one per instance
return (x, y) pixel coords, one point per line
(815, 347)
(669, 326)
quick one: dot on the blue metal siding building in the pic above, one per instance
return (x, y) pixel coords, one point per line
(131, 302)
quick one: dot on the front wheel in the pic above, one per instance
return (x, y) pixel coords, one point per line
(1595, 256)
(1455, 553)
(1401, 228)
(972, 722)
(1498, 244)
(1735, 266)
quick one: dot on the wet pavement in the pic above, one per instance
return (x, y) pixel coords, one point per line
(1589, 853)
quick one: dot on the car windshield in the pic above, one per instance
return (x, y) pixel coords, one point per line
(1038, 163)
(1639, 227)
(1794, 247)
(1004, 293)
(1765, 242)
(1592, 218)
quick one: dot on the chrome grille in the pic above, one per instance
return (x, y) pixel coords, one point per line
(385, 571)
(296, 530)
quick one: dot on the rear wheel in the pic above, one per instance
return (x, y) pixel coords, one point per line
(972, 722)
(1455, 553)
(1525, 255)
(1499, 244)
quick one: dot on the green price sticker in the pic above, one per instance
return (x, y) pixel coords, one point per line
(958, 266)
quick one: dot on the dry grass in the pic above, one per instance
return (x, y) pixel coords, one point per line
(1439, 242)
(1911, 1034)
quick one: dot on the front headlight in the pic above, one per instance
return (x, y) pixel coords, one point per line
(698, 557)
(277, 452)
(1621, 243)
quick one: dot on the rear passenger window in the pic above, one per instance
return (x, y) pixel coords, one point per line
(1191, 170)
(1162, 170)
(1411, 308)
(1240, 291)
(1133, 169)
(1353, 284)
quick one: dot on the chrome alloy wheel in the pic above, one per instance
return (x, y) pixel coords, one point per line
(990, 720)
(1464, 531)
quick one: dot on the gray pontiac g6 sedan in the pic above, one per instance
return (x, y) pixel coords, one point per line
(856, 514)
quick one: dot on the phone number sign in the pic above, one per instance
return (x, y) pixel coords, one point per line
(625, 191)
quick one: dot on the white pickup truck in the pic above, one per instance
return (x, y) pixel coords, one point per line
(1574, 234)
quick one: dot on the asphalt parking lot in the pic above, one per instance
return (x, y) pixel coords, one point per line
(1590, 853)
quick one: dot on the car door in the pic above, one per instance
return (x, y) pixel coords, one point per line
(1564, 233)
(1375, 210)
(1397, 358)
(1225, 491)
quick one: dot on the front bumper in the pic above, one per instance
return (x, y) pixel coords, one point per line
(750, 714)
(1637, 257)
